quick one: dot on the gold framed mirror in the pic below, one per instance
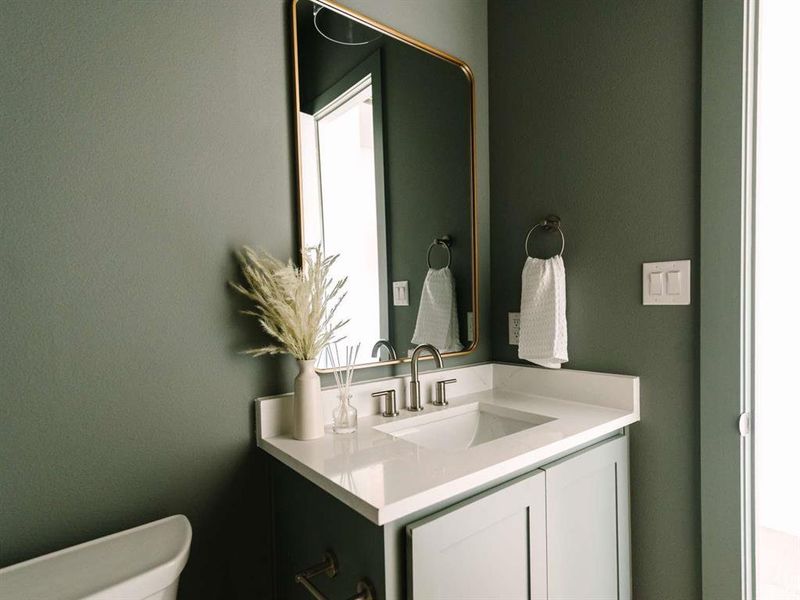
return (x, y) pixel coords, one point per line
(386, 174)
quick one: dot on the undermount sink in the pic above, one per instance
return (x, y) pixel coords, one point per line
(462, 427)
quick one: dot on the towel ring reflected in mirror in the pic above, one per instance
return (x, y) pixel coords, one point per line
(551, 223)
(444, 242)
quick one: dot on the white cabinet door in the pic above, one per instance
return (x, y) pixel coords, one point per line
(588, 524)
(491, 547)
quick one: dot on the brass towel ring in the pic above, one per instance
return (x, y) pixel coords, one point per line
(551, 223)
(444, 242)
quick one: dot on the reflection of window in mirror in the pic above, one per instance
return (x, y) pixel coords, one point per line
(340, 199)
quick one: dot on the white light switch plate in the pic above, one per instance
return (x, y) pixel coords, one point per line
(400, 293)
(666, 282)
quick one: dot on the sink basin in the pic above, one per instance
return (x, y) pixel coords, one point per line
(462, 427)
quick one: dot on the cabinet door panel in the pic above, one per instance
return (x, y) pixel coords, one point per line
(588, 539)
(491, 547)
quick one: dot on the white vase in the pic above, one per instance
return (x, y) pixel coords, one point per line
(308, 422)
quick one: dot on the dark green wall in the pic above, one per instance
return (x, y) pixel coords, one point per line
(141, 143)
(594, 114)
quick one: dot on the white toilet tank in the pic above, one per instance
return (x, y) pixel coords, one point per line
(143, 563)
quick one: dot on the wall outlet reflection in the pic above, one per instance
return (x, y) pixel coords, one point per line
(513, 328)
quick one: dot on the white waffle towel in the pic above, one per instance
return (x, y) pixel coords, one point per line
(543, 308)
(437, 318)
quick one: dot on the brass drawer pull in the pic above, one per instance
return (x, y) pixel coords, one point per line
(329, 566)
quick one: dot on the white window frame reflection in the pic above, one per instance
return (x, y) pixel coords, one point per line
(363, 253)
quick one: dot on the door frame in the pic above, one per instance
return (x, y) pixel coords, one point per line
(726, 297)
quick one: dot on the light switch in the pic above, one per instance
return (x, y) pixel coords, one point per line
(400, 293)
(673, 283)
(656, 283)
(666, 282)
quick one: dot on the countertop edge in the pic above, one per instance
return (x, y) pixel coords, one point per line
(362, 507)
(457, 487)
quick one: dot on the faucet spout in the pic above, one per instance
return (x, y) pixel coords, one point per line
(414, 400)
(433, 350)
(384, 344)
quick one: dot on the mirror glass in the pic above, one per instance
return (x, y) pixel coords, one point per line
(385, 159)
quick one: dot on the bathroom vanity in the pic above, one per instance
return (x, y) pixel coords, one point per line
(516, 489)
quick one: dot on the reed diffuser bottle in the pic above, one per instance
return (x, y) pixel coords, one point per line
(345, 416)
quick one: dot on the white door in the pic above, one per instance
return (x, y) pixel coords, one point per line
(750, 492)
(588, 531)
(491, 547)
(776, 320)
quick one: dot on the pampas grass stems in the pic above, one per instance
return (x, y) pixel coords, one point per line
(294, 305)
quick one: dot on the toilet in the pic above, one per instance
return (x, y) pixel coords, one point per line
(143, 563)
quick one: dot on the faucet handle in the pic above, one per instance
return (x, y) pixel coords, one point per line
(441, 392)
(390, 404)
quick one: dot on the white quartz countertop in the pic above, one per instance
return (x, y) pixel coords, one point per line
(385, 478)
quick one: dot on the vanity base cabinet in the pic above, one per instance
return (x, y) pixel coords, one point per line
(491, 547)
(588, 524)
(559, 532)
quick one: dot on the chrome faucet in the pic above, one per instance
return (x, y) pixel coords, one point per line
(414, 400)
(384, 344)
